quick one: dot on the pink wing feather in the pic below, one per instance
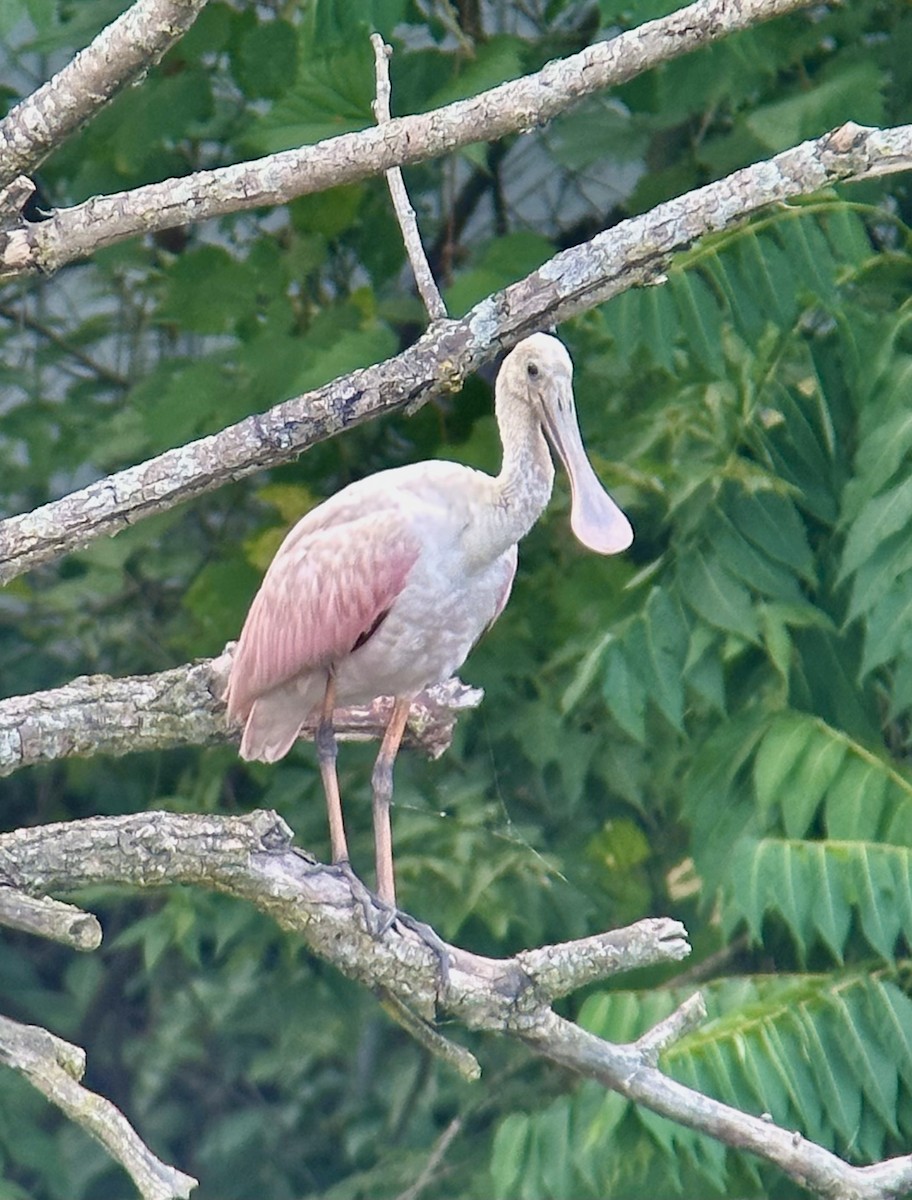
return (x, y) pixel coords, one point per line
(333, 578)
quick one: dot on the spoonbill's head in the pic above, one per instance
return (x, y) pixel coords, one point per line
(538, 373)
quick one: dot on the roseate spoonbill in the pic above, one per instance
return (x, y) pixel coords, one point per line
(383, 589)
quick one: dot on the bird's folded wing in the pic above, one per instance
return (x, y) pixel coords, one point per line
(327, 589)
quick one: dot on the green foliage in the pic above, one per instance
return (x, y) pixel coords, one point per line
(828, 1055)
(715, 726)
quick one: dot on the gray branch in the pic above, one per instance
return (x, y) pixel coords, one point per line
(405, 214)
(44, 917)
(628, 1070)
(119, 55)
(512, 107)
(96, 714)
(55, 1067)
(632, 253)
(253, 858)
(686, 1017)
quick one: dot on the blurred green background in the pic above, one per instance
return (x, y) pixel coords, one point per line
(715, 726)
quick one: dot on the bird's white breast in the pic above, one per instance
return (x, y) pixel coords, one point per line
(452, 592)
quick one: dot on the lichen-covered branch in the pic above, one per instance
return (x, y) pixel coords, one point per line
(632, 253)
(96, 714)
(55, 1067)
(521, 104)
(559, 970)
(253, 858)
(48, 918)
(120, 54)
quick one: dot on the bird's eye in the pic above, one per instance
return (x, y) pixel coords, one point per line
(532, 370)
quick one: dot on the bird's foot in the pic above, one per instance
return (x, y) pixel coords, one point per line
(390, 915)
(380, 917)
(377, 923)
(432, 940)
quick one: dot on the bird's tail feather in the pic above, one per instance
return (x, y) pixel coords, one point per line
(274, 723)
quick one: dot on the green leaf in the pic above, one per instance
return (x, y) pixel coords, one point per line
(266, 58)
(773, 524)
(207, 290)
(884, 515)
(888, 630)
(856, 90)
(784, 743)
(624, 692)
(855, 802)
(658, 646)
(817, 887)
(700, 317)
(331, 95)
(745, 561)
(832, 909)
(496, 60)
(716, 596)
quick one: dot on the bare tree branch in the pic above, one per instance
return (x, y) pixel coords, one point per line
(405, 214)
(252, 857)
(627, 1070)
(55, 1067)
(686, 1016)
(120, 54)
(559, 970)
(521, 104)
(44, 917)
(96, 714)
(632, 253)
(434, 1160)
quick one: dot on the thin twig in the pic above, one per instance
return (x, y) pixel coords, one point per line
(686, 1017)
(438, 1150)
(462, 1061)
(22, 318)
(405, 213)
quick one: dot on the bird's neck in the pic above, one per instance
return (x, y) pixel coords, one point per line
(523, 487)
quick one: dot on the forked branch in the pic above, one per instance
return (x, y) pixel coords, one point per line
(632, 253)
(73, 233)
(253, 858)
(54, 1067)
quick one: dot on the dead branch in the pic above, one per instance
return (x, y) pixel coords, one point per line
(405, 214)
(73, 233)
(119, 55)
(44, 917)
(632, 253)
(55, 1067)
(96, 714)
(253, 858)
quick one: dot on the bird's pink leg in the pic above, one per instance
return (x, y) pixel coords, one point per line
(326, 755)
(382, 785)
